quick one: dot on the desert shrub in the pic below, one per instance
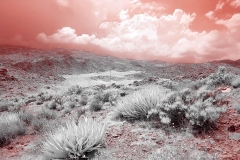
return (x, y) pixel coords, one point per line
(52, 104)
(170, 85)
(39, 125)
(84, 100)
(10, 126)
(96, 103)
(236, 82)
(4, 106)
(25, 116)
(88, 92)
(69, 104)
(66, 111)
(202, 114)
(236, 106)
(105, 97)
(221, 77)
(195, 85)
(75, 90)
(59, 107)
(137, 105)
(47, 114)
(74, 140)
(171, 112)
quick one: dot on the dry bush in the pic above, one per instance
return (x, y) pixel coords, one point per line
(97, 102)
(10, 126)
(236, 82)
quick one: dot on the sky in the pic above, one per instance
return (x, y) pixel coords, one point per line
(189, 31)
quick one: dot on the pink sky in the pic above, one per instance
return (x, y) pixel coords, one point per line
(170, 30)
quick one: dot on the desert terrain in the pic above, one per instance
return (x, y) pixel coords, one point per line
(69, 104)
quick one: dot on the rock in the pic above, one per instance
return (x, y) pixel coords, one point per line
(123, 94)
(232, 128)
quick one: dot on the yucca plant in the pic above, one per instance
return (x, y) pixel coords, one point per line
(74, 140)
(137, 105)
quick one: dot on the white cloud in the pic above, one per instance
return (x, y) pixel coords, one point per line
(235, 3)
(233, 24)
(62, 3)
(165, 36)
(210, 15)
(220, 5)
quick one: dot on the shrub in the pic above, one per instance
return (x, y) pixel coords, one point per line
(52, 104)
(66, 111)
(75, 90)
(221, 77)
(106, 97)
(4, 107)
(83, 100)
(25, 116)
(74, 140)
(97, 103)
(47, 114)
(10, 126)
(69, 104)
(203, 114)
(39, 125)
(137, 105)
(236, 106)
(236, 82)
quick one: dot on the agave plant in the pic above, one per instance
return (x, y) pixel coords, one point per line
(74, 140)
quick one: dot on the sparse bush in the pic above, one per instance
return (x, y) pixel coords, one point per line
(75, 140)
(39, 125)
(66, 111)
(47, 114)
(10, 126)
(202, 114)
(75, 90)
(69, 104)
(96, 103)
(221, 77)
(83, 100)
(25, 117)
(236, 82)
(106, 97)
(236, 106)
(137, 105)
(52, 104)
(4, 107)
(59, 107)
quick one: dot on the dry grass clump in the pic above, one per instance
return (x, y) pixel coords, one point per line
(137, 105)
(10, 126)
(236, 82)
(74, 140)
(97, 102)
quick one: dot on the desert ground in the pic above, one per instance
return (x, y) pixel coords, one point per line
(62, 105)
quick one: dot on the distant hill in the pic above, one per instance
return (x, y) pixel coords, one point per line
(63, 61)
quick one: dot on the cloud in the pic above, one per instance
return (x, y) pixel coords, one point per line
(235, 3)
(219, 5)
(233, 24)
(145, 36)
(210, 15)
(62, 3)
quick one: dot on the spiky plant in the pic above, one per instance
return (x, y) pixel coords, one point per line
(74, 140)
(137, 105)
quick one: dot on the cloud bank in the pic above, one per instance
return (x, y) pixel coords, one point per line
(134, 29)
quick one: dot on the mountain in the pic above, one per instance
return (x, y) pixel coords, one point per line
(62, 61)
